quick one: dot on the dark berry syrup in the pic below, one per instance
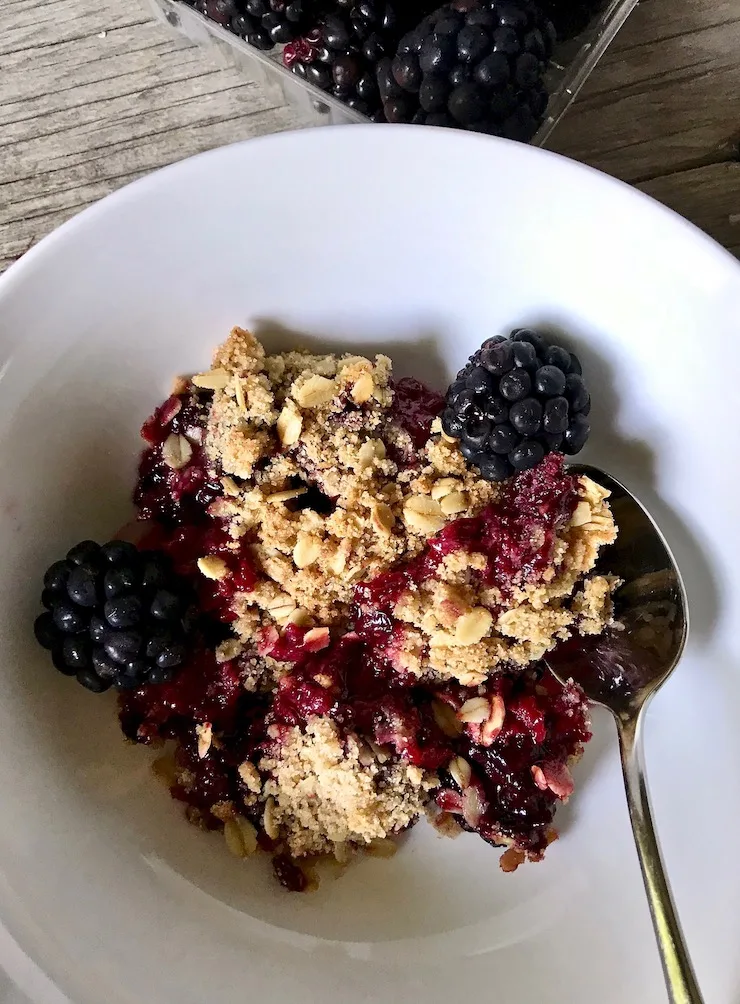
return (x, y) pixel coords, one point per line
(173, 496)
(521, 773)
(176, 503)
(518, 775)
(415, 406)
(351, 682)
(515, 533)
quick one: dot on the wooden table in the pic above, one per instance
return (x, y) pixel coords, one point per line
(93, 93)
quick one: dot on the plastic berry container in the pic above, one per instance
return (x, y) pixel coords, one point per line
(572, 63)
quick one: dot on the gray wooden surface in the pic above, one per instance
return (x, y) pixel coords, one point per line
(93, 94)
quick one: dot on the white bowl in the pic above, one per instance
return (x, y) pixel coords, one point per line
(423, 242)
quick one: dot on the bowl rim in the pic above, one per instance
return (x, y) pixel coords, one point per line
(18, 269)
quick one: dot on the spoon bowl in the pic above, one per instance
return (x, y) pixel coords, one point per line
(621, 670)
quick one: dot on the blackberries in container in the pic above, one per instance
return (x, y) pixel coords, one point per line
(342, 53)
(115, 616)
(250, 28)
(517, 399)
(263, 23)
(281, 20)
(472, 65)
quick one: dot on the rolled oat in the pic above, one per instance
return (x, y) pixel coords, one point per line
(363, 389)
(453, 503)
(314, 392)
(176, 452)
(289, 425)
(475, 710)
(216, 379)
(422, 514)
(213, 567)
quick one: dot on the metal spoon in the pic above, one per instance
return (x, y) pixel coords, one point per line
(621, 670)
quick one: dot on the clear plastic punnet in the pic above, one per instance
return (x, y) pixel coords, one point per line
(572, 63)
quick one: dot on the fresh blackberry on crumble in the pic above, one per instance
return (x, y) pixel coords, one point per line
(114, 616)
(476, 66)
(516, 400)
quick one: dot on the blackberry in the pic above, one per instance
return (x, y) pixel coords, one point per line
(265, 23)
(473, 64)
(220, 11)
(342, 54)
(233, 14)
(114, 616)
(515, 400)
(250, 28)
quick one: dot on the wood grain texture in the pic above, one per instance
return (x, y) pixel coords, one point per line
(662, 111)
(93, 94)
(708, 196)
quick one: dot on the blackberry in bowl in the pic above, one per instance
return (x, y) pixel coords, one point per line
(516, 400)
(114, 616)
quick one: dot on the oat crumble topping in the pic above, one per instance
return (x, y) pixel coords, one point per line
(332, 791)
(318, 489)
(382, 513)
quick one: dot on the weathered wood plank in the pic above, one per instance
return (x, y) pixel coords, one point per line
(103, 171)
(174, 77)
(658, 129)
(67, 21)
(127, 52)
(84, 113)
(655, 20)
(708, 196)
(664, 63)
(41, 168)
(664, 98)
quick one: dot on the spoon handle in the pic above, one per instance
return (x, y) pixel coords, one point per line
(677, 969)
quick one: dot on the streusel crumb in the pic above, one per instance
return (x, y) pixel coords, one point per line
(330, 792)
(529, 622)
(374, 613)
(317, 482)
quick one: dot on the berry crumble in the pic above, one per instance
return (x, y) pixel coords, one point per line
(337, 614)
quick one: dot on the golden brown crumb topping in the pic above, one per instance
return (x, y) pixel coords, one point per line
(331, 791)
(323, 487)
(283, 426)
